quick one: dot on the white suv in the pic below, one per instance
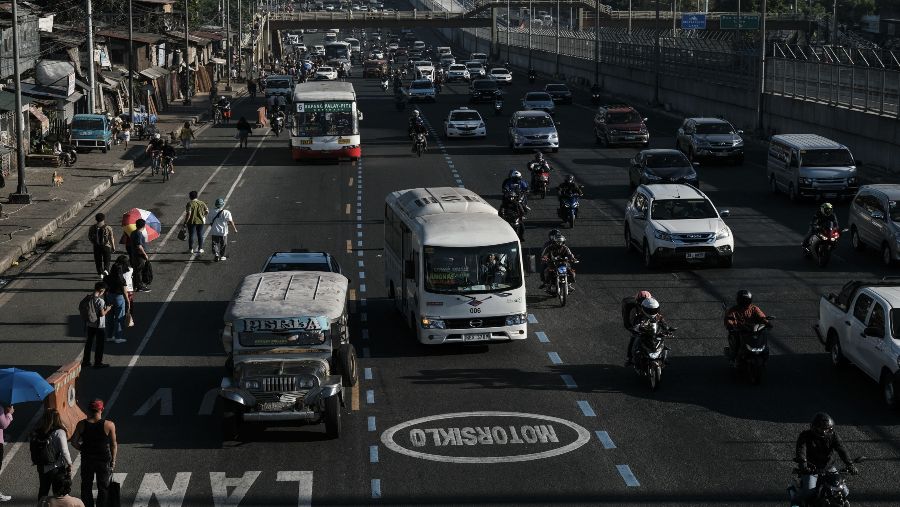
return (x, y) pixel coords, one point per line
(677, 222)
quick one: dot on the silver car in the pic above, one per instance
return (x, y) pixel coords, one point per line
(421, 90)
(710, 138)
(538, 101)
(875, 220)
(532, 129)
(476, 70)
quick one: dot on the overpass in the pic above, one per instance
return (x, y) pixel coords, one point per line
(399, 19)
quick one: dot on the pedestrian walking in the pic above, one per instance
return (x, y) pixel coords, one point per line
(93, 310)
(50, 450)
(116, 288)
(126, 133)
(62, 486)
(195, 213)
(128, 275)
(140, 259)
(6, 418)
(101, 237)
(95, 437)
(219, 229)
(244, 130)
(186, 135)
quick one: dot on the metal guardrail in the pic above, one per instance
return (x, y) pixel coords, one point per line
(667, 14)
(356, 16)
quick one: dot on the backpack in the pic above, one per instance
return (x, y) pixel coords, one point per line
(100, 236)
(43, 451)
(88, 310)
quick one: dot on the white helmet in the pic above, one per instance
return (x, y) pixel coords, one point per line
(515, 174)
(416, 113)
(650, 307)
(156, 136)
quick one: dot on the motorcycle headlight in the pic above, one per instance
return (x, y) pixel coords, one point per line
(252, 385)
(662, 236)
(517, 319)
(429, 323)
(723, 233)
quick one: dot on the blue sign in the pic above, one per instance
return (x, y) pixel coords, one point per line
(693, 21)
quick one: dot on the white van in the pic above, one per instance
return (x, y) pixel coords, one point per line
(809, 165)
(330, 37)
(425, 72)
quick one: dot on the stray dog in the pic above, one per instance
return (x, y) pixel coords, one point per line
(57, 179)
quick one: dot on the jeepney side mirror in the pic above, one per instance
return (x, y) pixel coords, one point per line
(409, 270)
(359, 115)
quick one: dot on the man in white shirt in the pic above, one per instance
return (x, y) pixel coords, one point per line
(220, 219)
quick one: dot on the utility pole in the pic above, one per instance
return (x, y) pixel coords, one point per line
(834, 24)
(21, 196)
(674, 26)
(629, 17)
(556, 21)
(90, 50)
(228, 43)
(596, 42)
(240, 41)
(130, 65)
(760, 109)
(185, 60)
(657, 56)
(530, 23)
(507, 31)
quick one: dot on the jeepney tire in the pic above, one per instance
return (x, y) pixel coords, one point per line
(333, 416)
(349, 365)
(231, 424)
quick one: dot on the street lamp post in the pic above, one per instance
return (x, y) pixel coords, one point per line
(130, 64)
(530, 23)
(557, 38)
(187, 52)
(507, 30)
(656, 57)
(597, 42)
(240, 41)
(90, 50)
(21, 195)
(760, 108)
(228, 44)
(629, 17)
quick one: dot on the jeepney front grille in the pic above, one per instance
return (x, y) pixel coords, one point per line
(277, 384)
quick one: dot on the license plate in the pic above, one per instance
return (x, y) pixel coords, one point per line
(343, 141)
(695, 255)
(830, 196)
(722, 154)
(481, 337)
(306, 141)
(630, 138)
(273, 406)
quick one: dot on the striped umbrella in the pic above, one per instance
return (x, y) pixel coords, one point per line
(130, 217)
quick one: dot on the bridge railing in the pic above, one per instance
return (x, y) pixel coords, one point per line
(350, 16)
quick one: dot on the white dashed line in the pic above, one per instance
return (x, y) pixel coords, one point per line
(370, 397)
(569, 381)
(368, 373)
(532, 319)
(362, 287)
(542, 337)
(554, 358)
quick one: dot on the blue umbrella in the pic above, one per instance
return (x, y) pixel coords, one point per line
(18, 385)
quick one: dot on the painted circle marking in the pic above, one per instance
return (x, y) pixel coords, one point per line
(583, 437)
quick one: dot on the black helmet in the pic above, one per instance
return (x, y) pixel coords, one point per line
(559, 239)
(539, 156)
(822, 424)
(744, 297)
(553, 233)
(570, 179)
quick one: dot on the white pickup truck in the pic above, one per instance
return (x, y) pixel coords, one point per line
(861, 325)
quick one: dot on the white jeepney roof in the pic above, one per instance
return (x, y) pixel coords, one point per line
(317, 91)
(286, 294)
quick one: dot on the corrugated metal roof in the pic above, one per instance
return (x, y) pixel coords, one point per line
(145, 38)
(209, 35)
(154, 72)
(8, 101)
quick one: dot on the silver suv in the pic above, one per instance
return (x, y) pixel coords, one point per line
(710, 138)
(875, 220)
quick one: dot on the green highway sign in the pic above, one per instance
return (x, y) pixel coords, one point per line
(730, 22)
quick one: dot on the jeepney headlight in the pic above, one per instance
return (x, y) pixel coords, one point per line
(252, 385)
(227, 337)
(307, 382)
(515, 320)
(429, 323)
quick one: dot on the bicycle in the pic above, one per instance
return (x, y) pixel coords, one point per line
(166, 167)
(154, 163)
(217, 116)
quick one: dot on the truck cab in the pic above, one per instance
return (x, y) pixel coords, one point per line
(91, 131)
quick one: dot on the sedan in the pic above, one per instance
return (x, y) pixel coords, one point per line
(538, 101)
(421, 90)
(560, 93)
(501, 75)
(532, 129)
(662, 166)
(377, 55)
(326, 73)
(476, 70)
(393, 46)
(464, 122)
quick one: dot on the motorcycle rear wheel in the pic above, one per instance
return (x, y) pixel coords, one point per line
(654, 376)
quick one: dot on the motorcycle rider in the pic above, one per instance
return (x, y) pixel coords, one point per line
(514, 183)
(511, 209)
(649, 313)
(155, 146)
(824, 219)
(536, 166)
(415, 120)
(814, 454)
(278, 119)
(740, 316)
(558, 250)
(223, 104)
(168, 151)
(567, 189)
(416, 128)
(550, 235)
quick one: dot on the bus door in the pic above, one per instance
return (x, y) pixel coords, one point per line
(408, 265)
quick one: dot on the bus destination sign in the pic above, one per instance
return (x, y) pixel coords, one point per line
(324, 107)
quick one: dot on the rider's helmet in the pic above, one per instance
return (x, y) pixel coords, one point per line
(538, 157)
(415, 113)
(156, 135)
(650, 307)
(642, 295)
(559, 240)
(552, 234)
(827, 209)
(822, 424)
(515, 174)
(570, 179)
(744, 298)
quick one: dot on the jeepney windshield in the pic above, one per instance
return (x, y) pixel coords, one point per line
(465, 270)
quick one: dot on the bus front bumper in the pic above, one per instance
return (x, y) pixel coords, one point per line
(304, 153)
(472, 336)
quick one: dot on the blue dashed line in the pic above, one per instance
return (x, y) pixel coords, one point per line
(586, 409)
(554, 358)
(376, 488)
(628, 476)
(569, 381)
(542, 337)
(371, 423)
(373, 454)
(368, 373)
(370, 397)
(532, 319)
(605, 440)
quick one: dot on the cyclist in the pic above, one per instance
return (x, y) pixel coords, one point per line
(154, 149)
(168, 156)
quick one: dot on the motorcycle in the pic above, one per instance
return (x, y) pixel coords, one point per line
(384, 85)
(752, 351)
(822, 243)
(830, 487)
(421, 142)
(67, 154)
(498, 105)
(277, 125)
(515, 220)
(651, 354)
(560, 274)
(540, 178)
(568, 209)
(532, 76)
(595, 96)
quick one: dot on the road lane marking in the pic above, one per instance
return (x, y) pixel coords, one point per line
(349, 246)
(554, 358)
(161, 397)
(628, 476)
(363, 302)
(370, 397)
(359, 226)
(542, 337)
(347, 209)
(363, 317)
(220, 483)
(352, 294)
(373, 454)
(376, 488)
(569, 381)
(354, 397)
(532, 319)
(304, 488)
(362, 275)
(366, 352)
(371, 423)
(586, 409)
(360, 263)
(359, 234)
(359, 253)
(368, 373)
(359, 244)
(362, 287)
(350, 183)
(605, 440)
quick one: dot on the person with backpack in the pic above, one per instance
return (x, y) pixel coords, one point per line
(6, 418)
(95, 437)
(93, 310)
(219, 229)
(101, 237)
(50, 450)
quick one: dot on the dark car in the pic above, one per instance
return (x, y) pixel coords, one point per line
(711, 138)
(559, 92)
(620, 124)
(662, 166)
(301, 260)
(482, 90)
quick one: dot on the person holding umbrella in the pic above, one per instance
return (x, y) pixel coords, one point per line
(149, 228)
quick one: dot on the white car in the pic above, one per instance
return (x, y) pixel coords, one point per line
(393, 46)
(501, 75)
(421, 90)
(677, 222)
(476, 70)
(319, 49)
(456, 72)
(464, 122)
(300, 47)
(328, 73)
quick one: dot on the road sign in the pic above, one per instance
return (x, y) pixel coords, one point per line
(730, 22)
(693, 21)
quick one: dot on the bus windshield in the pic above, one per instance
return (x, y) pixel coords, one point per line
(465, 270)
(333, 51)
(326, 123)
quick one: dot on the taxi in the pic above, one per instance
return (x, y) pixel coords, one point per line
(464, 122)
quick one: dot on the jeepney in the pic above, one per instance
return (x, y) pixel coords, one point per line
(289, 353)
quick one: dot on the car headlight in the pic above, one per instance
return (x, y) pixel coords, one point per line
(723, 233)
(662, 236)
(851, 180)
(429, 323)
(515, 320)
(481, 125)
(252, 385)
(554, 135)
(804, 181)
(738, 142)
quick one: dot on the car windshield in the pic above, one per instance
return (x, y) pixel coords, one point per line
(534, 122)
(277, 83)
(485, 85)
(894, 211)
(714, 128)
(422, 85)
(325, 69)
(473, 65)
(465, 116)
(826, 158)
(82, 124)
(682, 209)
(457, 67)
(627, 117)
(472, 269)
(537, 97)
(299, 266)
(499, 71)
(557, 88)
(666, 160)
(321, 123)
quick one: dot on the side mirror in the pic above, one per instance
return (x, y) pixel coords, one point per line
(409, 270)
(874, 331)
(724, 213)
(877, 215)
(740, 132)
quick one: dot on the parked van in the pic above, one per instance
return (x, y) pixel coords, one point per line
(91, 131)
(809, 165)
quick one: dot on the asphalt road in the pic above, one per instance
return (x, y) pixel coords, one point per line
(702, 439)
